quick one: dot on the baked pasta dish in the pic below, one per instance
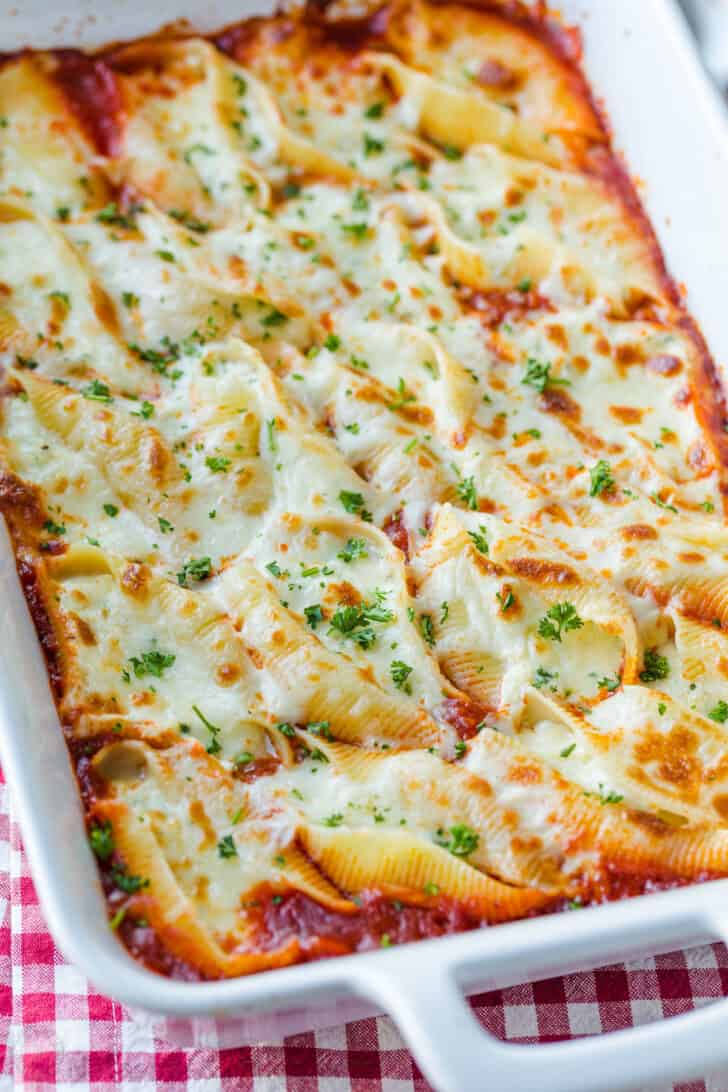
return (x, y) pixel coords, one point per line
(366, 479)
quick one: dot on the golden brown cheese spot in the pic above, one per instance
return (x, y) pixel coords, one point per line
(135, 580)
(675, 755)
(492, 73)
(629, 354)
(700, 458)
(83, 629)
(558, 401)
(200, 818)
(720, 803)
(691, 558)
(664, 364)
(104, 308)
(159, 458)
(544, 572)
(628, 415)
(556, 333)
(638, 531)
(651, 823)
(227, 674)
(524, 772)
(343, 593)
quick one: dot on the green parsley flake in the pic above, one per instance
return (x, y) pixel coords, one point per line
(601, 478)
(197, 568)
(558, 620)
(400, 673)
(226, 847)
(153, 663)
(655, 666)
(461, 842)
(354, 504)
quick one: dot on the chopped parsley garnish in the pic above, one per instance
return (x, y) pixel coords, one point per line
(461, 748)
(451, 152)
(655, 666)
(355, 622)
(146, 410)
(153, 663)
(358, 231)
(609, 797)
(375, 110)
(111, 215)
(213, 747)
(96, 391)
(164, 525)
(286, 730)
(190, 222)
(291, 189)
(400, 672)
(129, 299)
(479, 539)
(466, 493)
(601, 478)
(719, 712)
(332, 342)
(360, 202)
(111, 510)
(558, 620)
(26, 362)
(218, 464)
(275, 570)
(462, 840)
(567, 750)
(538, 376)
(372, 146)
(662, 504)
(506, 600)
(203, 149)
(606, 682)
(321, 728)
(274, 318)
(63, 213)
(544, 677)
(427, 629)
(129, 884)
(101, 840)
(403, 396)
(314, 615)
(197, 568)
(334, 820)
(226, 847)
(355, 548)
(354, 504)
(54, 528)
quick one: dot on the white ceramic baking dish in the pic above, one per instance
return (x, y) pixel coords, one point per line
(674, 136)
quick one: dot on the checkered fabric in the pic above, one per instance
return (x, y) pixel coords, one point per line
(57, 1034)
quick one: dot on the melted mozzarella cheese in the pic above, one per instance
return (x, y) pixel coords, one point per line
(366, 476)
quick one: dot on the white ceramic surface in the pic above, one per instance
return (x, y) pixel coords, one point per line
(672, 130)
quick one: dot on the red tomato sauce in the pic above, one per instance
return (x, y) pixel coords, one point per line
(379, 922)
(93, 96)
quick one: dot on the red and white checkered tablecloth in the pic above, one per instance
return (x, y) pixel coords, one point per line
(58, 1034)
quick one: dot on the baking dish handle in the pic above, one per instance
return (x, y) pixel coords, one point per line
(457, 1055)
